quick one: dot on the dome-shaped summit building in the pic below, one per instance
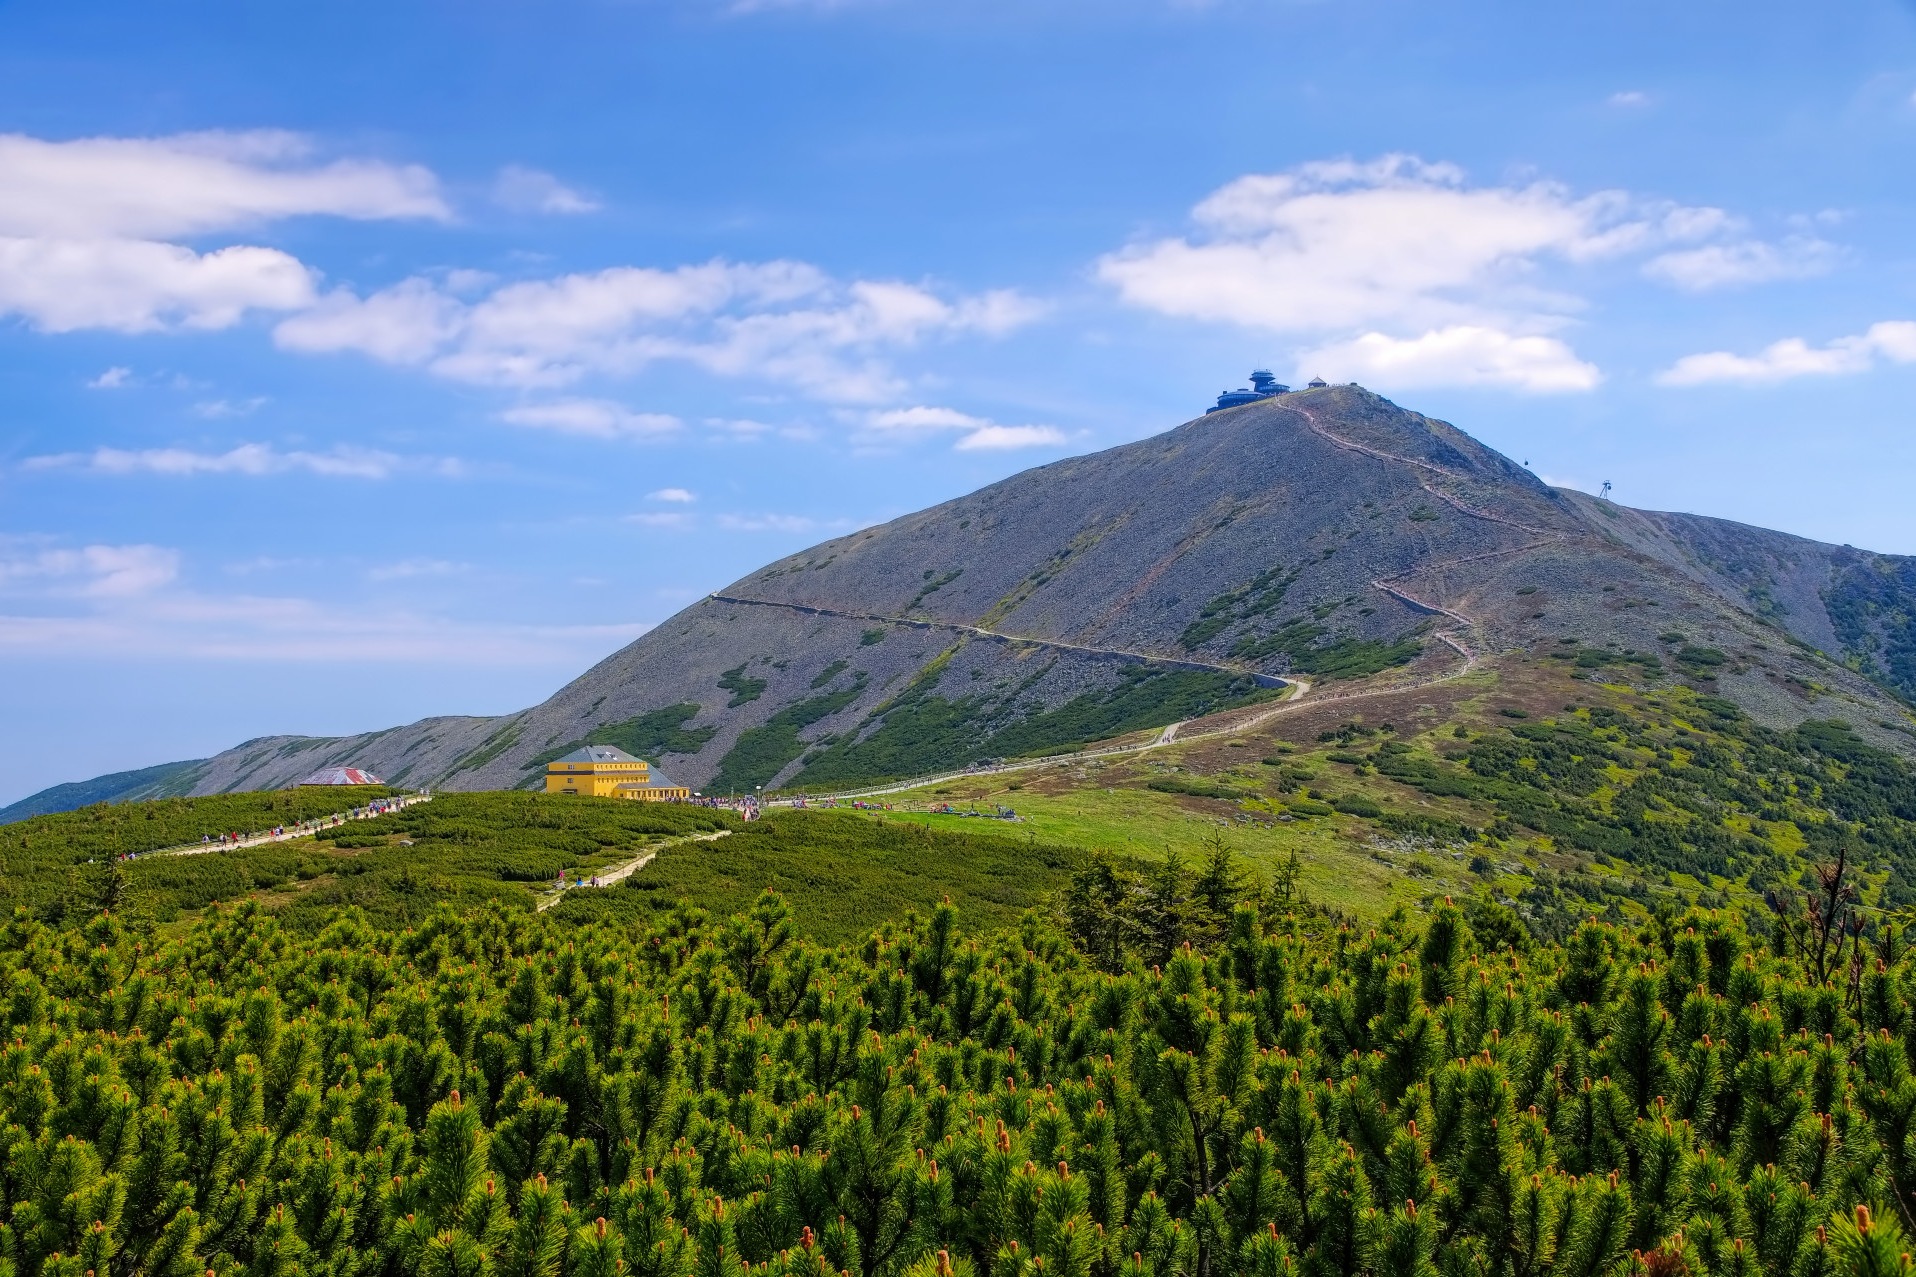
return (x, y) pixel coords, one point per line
(1263, 386)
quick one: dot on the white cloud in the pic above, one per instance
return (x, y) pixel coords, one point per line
(1894, 340)
(1000, 438)
(61, 285)
(678, 496)
(925, 418)
(94, 571)
(404, 324)
(1460, 355)
(1395, 241)
(84, 225)
(112, 379)
(1742, 262)
(997, 312)
(192, 184)
(1410, 274)
(1628, 98)
(780, 322)
(528, 190)
(660, 519)
(254, 460)
(84, 243)
(980, 433)
(599, 418)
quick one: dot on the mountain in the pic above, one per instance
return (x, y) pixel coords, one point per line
(1324, 534)
(167, 780)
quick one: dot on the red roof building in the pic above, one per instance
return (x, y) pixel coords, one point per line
(342, 776)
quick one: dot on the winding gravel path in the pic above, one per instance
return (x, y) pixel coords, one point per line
(305, 829)
(619, 873)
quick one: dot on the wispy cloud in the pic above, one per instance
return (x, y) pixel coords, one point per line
(978, 434)
(254, 460)
(1893, 340)
(254, 628)
(112, 379)
(783, 322)
(1007, 438)
(528, 190)
(219, 409)
(93, 571)
(195, 183)
(779, 523)
(677, 496)
(660, 519)
(127, 601)
(599, 418)
(1747, 261)
(408, 569)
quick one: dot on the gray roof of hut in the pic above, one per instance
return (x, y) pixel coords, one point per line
(597, 754)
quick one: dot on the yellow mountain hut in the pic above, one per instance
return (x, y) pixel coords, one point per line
(606, 771)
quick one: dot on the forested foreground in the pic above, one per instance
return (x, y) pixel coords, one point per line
(503, 1094)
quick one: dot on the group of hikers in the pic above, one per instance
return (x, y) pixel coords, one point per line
(366, 811)
(996, 812)
(936, 809)
(828, 804)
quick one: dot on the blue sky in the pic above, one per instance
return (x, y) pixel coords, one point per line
(363, 362)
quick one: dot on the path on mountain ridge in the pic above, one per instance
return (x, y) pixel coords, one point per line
(998, 636)
(1171, 735)
(303, 829)
(1545, 536)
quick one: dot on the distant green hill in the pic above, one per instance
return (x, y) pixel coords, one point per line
(166, 780)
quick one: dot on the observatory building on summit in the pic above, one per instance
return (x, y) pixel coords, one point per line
(1263, 386)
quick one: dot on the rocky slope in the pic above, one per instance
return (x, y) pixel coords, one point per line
(1322, 534)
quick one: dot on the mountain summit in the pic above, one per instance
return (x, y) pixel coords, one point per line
(1315, 535)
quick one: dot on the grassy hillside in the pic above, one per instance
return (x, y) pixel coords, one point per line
(472, 850)
(460, 849)
(1564, 796)
(843, 874)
